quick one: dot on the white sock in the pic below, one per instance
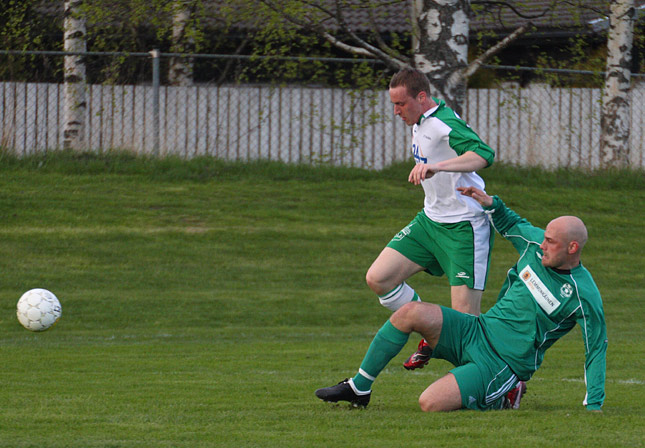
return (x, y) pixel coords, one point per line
(398, 297)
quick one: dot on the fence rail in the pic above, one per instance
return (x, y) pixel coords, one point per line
(550, 127)
(533, 126)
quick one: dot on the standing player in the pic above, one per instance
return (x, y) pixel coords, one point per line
(545, 294)
(452, 235)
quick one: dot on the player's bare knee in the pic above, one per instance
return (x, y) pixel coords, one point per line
(411, 309)
(375, 283)
(407, 315)
(427, 404)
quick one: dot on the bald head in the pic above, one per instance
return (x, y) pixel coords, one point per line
(572, 229)
(564, 238)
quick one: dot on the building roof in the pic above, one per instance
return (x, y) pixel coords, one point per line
(498, 16)
(502, 17)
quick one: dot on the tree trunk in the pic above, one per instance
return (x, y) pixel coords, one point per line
(74, 78)
(441, 47)
(181, 69)
(615, 119)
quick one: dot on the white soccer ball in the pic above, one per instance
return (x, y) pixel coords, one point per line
(38, 309)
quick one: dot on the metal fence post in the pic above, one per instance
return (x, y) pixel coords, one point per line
(156, 54)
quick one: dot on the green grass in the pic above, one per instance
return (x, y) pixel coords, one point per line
(204, 302)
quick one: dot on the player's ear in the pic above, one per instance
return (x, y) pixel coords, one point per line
(421, 97)
(573, 247)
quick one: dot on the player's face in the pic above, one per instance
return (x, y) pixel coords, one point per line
(405, 106)
(554, 248)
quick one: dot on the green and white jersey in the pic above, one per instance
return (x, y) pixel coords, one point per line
(439, 135)
(538, 305)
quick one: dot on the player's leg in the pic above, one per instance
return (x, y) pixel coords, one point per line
(465, 299)
(465, 257)
(480, 379)
(389, 340)
(387, 343)
(387, 275)
(389, 270)
(404, 256)
(423, 318)
(442, 395)
(462, 250)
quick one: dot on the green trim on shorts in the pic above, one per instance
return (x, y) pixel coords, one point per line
(483, 377)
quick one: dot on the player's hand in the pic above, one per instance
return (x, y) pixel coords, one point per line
(477, 195)
(420, 172)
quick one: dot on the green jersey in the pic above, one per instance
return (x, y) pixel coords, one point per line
(538, 305)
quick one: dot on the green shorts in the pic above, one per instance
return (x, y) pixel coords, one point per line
(483, 377)
(460, 250)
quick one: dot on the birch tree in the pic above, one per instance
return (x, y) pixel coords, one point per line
(440, 37)
(615, 119)
(180, 72)
(74, 77)
(441, 46)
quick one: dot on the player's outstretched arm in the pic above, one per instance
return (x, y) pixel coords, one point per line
(477, 194)
(465, 163)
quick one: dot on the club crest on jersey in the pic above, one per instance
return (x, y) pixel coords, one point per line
(566, 291)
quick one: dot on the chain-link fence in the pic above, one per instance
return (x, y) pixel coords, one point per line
(231, 112)
(541, 125)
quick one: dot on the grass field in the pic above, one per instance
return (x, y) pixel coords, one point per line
(203, 303)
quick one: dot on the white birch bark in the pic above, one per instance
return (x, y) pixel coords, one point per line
(181, 69)
(74, 77)
(615, 119)
(441, 48)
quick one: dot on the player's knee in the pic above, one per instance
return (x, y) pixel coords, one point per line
(432, 403)
(408, 315)
(409, 310)
(427, 404)
(375, 283)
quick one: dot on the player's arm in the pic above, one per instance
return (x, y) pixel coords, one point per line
(479, 195)
(508, 223)
(465, 163)
(594, 334)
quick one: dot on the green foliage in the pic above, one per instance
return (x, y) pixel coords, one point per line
(22, 28)
(204, 302)
(250, 27)
(581, 53)
(16, 30)
(149, 25)
(283, 50)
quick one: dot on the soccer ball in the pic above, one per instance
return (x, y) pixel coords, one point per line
(38, 309)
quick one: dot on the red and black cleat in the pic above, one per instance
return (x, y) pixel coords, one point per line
(514, 396)
(419, 358)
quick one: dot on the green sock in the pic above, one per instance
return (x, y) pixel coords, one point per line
(387, 343)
